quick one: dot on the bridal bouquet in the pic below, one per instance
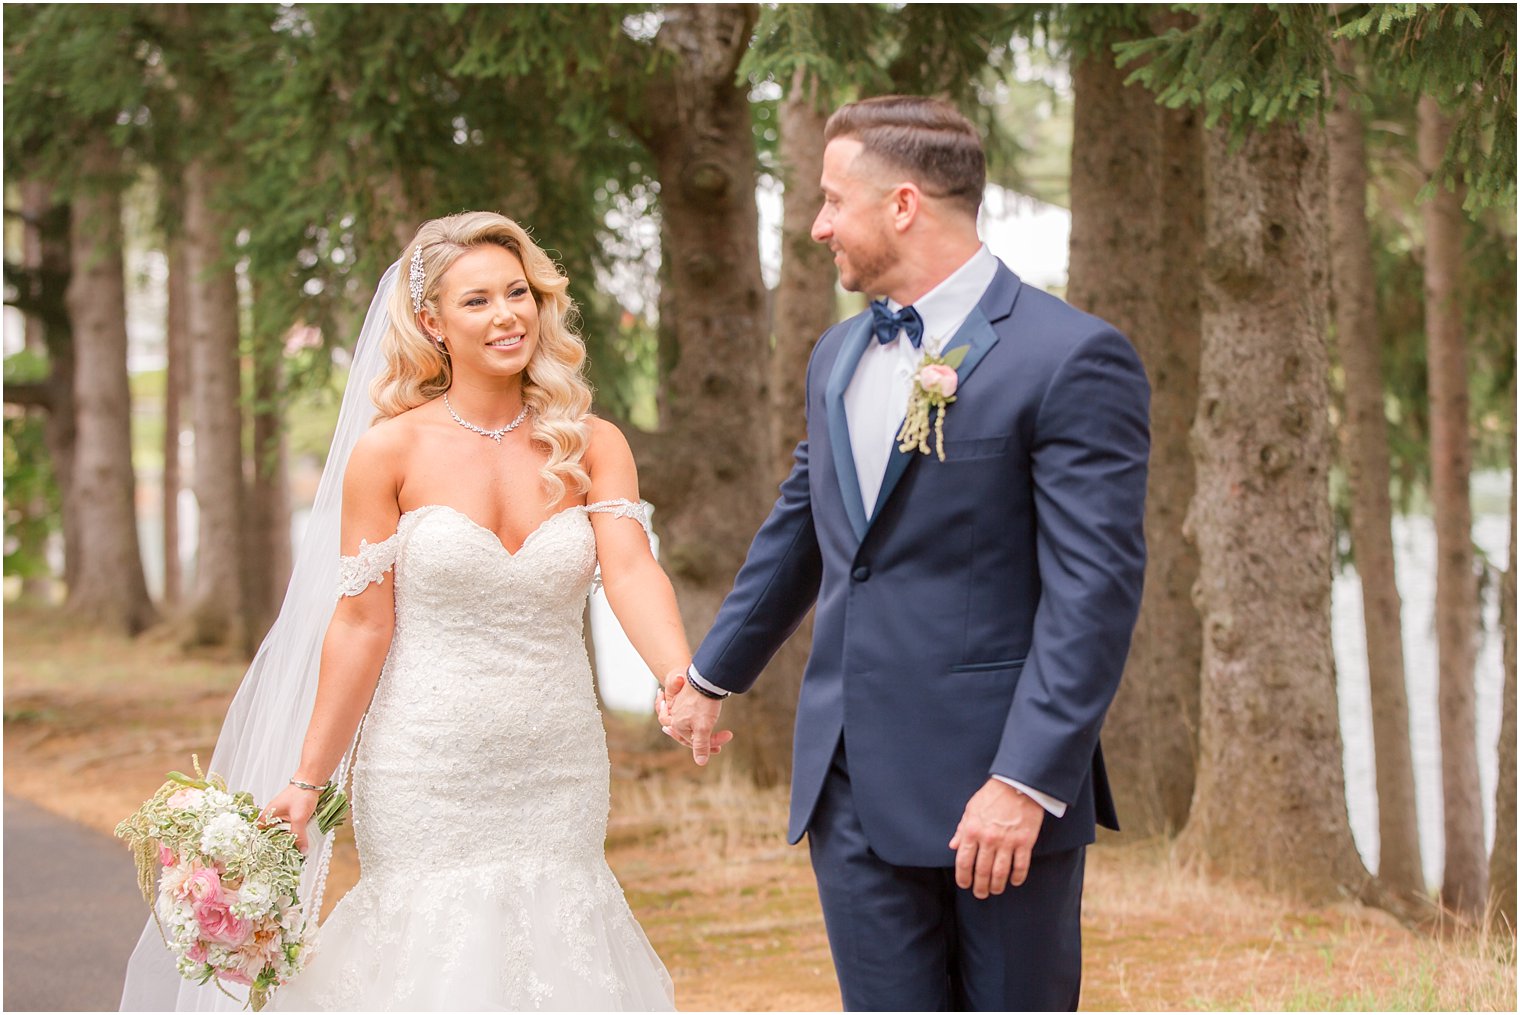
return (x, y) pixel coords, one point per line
(227, 902)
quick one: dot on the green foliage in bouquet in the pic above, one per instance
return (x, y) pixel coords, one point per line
(195, 824)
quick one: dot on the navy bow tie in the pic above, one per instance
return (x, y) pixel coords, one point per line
(885, 325)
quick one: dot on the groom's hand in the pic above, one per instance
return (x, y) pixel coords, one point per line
(691, 719)
(995, 838)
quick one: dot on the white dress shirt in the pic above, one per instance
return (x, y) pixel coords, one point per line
(877, 400)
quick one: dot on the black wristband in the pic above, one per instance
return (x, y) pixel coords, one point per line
(704, 692)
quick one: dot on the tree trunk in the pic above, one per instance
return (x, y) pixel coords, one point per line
(176, 343)
(266, 563)
(1270, 800)
(1501, 869)
(109, 586)
(1366, 456)
(1136, 195)
(1462, 886)
(50, 223)
(805, 304)
(36, 204)
(1170, 628)
(717, 441)
(215, 396)
(804, 309)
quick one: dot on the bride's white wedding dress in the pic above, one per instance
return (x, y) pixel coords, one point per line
(480, 789)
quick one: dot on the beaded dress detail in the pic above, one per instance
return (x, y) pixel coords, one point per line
(481, 789)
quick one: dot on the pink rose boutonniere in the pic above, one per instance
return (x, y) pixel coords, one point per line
(933, 388)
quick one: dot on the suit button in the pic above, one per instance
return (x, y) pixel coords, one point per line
(860, 574)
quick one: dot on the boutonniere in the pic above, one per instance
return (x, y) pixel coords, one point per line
(933, 388)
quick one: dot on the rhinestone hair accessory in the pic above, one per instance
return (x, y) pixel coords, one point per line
(415, 279)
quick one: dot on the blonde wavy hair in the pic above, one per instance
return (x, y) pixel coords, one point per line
(554, 382)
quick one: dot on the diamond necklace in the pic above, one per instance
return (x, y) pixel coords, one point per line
(495, 435)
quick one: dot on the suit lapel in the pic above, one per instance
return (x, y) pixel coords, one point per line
(979, 335)
(854, 347)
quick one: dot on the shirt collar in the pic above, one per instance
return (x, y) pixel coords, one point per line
(945, 307)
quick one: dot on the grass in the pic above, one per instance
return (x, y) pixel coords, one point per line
(92, 722)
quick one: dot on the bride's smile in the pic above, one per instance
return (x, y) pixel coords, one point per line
(487, 315)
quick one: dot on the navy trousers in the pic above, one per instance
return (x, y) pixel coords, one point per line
(909, 939)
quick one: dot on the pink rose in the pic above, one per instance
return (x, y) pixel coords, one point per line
(197, 952)
(233, 976)
(938, 379)
(187, 797)
(218, 925)
(201, 884)
(167, 857)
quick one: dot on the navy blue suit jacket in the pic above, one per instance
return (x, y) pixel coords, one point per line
(978, 620)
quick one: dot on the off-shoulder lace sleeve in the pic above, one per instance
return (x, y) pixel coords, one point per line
(369, 565)
(620, 509)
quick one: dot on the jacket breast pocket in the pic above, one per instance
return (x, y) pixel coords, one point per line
(995, 666)
(966, 449)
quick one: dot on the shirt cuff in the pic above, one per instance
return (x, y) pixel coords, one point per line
(697, 678)
(1053, 806)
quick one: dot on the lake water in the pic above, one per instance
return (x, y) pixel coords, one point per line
(1414, 545)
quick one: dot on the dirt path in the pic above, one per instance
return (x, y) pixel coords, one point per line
(72, 913)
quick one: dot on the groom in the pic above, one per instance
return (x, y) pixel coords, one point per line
(973, 609)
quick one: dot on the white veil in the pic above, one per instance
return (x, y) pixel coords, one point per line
(260, 742)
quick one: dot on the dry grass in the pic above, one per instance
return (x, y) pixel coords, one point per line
(1161, 936)
(727, 904)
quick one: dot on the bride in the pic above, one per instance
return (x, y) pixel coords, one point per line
(471, 518)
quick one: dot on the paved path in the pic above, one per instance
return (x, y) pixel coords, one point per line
(72, 913)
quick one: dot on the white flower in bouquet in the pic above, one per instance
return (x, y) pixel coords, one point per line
(254, 899)
(190, 969)
(216, 800)
(227, 835)
(226, 897)
(176, 916)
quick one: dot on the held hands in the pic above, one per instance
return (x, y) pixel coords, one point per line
(994, 839)
(295, 807)
(690, 718)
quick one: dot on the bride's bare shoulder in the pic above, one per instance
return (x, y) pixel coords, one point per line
(606, 441)
(383, 448)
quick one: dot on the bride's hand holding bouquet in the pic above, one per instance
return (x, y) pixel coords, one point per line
(299, 802)
(227, 900)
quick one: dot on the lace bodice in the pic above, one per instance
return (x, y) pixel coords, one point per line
(480, 784)
(370, 564)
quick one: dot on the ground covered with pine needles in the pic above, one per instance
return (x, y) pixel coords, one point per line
(92, 722)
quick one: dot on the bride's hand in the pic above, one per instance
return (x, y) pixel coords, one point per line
(669, 688)
(294, 806)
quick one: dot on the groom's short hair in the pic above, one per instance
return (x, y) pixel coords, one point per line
(927, 138)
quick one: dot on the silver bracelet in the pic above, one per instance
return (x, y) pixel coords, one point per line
(298, 784)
